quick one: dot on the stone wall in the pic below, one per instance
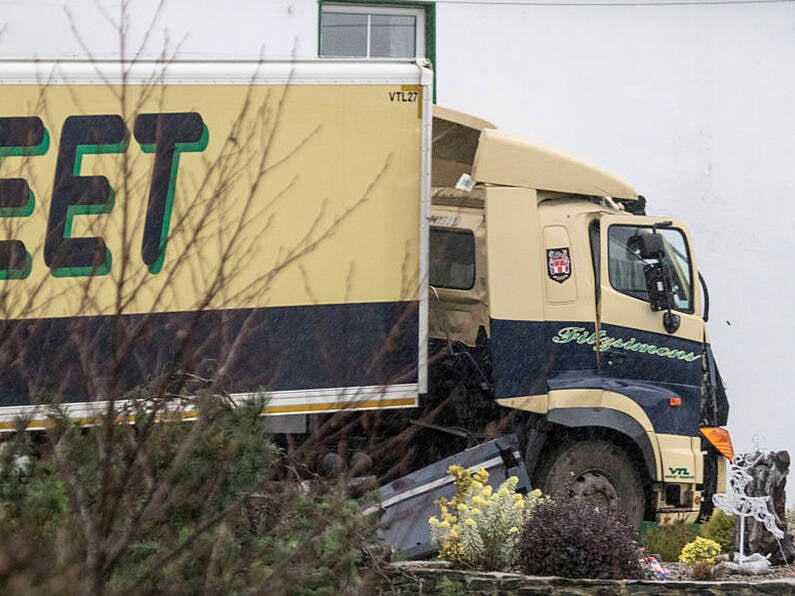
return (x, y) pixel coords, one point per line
(421, 577)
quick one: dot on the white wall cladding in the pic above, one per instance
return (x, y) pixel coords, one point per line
(694, 104)
(196, 29)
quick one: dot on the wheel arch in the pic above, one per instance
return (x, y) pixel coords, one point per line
(544, 434)
(581, 422)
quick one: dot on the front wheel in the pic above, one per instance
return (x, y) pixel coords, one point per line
(596, 469)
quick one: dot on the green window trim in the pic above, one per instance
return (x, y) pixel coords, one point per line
(430, 23)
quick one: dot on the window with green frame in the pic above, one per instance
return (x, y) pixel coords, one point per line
(376, 29)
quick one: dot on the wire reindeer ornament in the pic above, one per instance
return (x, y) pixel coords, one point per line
(736, 501)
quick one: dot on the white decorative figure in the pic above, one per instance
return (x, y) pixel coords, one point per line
(735, 501)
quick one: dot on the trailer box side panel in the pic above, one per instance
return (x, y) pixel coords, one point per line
(263, 231)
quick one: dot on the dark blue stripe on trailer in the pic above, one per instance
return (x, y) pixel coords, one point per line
(278, 349)
(534, 357)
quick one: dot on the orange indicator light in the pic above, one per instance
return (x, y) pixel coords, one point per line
(720, 439)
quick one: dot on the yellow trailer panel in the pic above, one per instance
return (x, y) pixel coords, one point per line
(245, 218)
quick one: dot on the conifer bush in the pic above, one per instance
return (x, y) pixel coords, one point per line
(720, 528)
(667, 539)
(577, 538)
(179, 508)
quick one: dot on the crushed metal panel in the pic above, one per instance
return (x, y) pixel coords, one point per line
(507, 161)
(461, 118)
(408, 502)
(455, 141)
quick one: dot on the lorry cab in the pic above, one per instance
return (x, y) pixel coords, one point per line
(585, 315)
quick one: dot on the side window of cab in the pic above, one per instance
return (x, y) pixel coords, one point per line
(626, 266)
(452, 259)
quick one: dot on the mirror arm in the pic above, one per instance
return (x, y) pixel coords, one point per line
(661, 224)
(705, 291)
(671, 321)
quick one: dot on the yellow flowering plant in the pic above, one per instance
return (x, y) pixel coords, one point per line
(480, 527)
(701, 550)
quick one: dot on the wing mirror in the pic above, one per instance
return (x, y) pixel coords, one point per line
(649, 246)
(659, 283)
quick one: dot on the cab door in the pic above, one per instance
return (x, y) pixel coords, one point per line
(652, 356)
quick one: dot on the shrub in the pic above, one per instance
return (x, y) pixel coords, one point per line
(578, 538)
(479, 527)
(180, 509)
(667, 540)
(303, 543)
(701, 550)
(720, 528)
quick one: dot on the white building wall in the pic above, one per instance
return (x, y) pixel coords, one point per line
(694, 104)
(193, 29)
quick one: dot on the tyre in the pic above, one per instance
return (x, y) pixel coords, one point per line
(596, 469)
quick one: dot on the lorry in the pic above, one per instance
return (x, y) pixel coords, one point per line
(321, 232)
